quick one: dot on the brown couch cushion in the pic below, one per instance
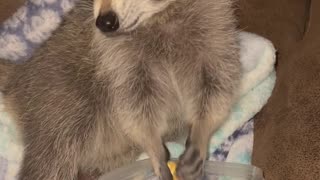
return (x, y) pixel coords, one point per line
(287, 131)
(281, 21)
(7, 7)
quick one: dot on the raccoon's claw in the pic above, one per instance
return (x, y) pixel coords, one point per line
(190, 165)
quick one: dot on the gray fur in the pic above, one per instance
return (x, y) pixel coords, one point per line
(91, 102)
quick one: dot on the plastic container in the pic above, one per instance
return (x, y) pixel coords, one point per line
(142, 170)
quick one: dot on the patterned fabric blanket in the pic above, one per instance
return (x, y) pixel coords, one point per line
(33, 24)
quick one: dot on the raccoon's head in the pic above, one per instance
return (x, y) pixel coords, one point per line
(126, 15)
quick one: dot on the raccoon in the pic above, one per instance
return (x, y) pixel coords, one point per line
(121, 77)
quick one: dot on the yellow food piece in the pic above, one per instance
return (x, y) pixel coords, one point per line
(172, 166)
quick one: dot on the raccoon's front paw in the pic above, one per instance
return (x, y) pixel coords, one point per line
(165, 173)
(190, 165)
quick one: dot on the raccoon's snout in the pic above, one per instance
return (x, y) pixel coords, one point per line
(108, 22)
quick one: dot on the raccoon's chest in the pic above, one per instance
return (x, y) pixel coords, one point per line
(169, 64)
(170, 58)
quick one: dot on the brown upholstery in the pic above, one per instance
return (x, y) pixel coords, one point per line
(7, 7)
(287, 130)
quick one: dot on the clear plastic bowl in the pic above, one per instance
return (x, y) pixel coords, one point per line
(142, 170)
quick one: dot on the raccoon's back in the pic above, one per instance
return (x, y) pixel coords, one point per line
(59, 73)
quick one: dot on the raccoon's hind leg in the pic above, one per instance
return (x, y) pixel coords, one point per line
(49, 162)
(53, 153)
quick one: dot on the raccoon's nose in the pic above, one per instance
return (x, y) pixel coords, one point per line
(108, 22)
